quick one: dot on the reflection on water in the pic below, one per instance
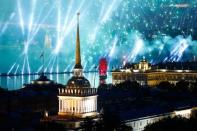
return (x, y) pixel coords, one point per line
(16, 82)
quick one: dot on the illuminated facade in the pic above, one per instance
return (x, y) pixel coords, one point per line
(143, 66)
(152, 77)
(78, 99)
(138, 124)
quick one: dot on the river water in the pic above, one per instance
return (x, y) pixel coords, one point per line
(16, 82)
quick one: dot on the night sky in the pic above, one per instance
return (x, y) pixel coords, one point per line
(120, 30)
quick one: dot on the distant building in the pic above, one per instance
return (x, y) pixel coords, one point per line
(142, 66)
(139, 123)
(42, 80)
(78, 99)
(144, 75)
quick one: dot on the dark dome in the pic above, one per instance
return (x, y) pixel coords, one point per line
(78, 82)
(42, 78)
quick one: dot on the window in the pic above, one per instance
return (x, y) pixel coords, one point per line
(140, 123)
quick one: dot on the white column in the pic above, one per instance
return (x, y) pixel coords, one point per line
(83, 105)
(59, 105)
(78, 101)
(75, 106)
(79, 106)
(62, 102)
(82, 108)
(85, 108)
(93, 105)
(71, 105)
(96, 104)
(63, 105)
(89, 106)
(66, 103)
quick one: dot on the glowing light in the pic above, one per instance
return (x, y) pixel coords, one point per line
(179, 70)
(93, 34)
(112, 6)
(163, 70)
(23, 68)
(39, 69)
(136, 71)
(51, 70)
(16, 69)
(180, 5)
(113, 47)
(11, 68)
(138, 33)
(20, 16)
(136, 49)
(29, 70)
(31, 20)
(178, 51)
(26, 47)
(57, 70)
(6, 24)
(184, 113)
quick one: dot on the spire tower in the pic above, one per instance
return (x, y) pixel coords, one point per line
(78, 52)
(78, 99)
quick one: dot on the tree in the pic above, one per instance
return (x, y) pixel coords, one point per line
(88, 124)
(173, 124)
(49, 126)
(194, 87)
(165, 85)
(182, 85)
(124, 127)
(110, 121)
(107, 121)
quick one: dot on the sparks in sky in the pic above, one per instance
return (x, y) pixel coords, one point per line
(162, 30)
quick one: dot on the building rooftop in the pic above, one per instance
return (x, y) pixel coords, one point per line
(80, 82)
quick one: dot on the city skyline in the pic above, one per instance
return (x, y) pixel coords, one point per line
(98, 65)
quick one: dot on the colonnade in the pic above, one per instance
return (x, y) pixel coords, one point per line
(79, 105)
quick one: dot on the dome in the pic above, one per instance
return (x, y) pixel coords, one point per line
(76, 82)
(143, 60)
(42, 80)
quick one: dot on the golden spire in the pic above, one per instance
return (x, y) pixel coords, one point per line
(78, 53)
